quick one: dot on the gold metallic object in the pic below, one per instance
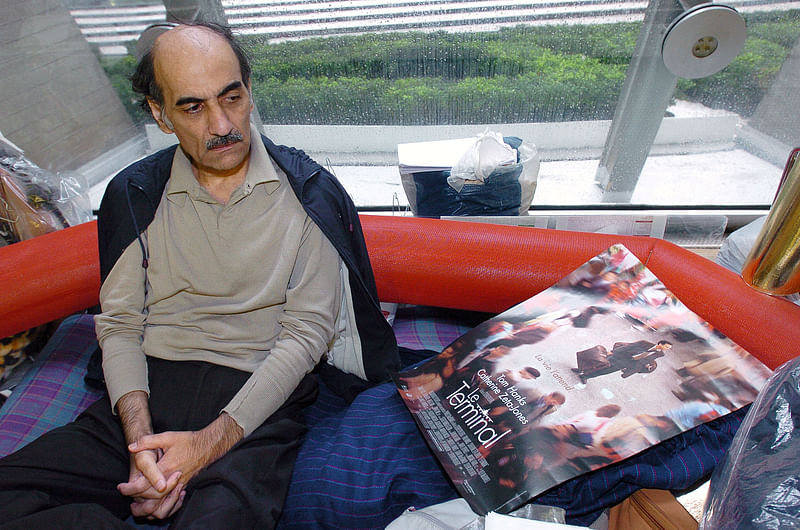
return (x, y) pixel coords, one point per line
(773, 265)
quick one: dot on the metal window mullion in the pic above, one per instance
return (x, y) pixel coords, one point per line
(645, 96)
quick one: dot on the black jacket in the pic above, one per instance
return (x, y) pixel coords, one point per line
(130, 203)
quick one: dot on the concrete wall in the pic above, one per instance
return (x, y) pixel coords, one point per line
(368, 145)
(55, 101)
(777, 115)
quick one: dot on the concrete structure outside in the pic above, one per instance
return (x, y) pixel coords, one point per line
(54, 90)
(781, 100)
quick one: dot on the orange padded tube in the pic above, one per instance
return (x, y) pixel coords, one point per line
(485, 267)
(476, 266)
(48, 277)
(456, 264)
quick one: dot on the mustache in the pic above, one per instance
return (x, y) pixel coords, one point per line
(230, 138)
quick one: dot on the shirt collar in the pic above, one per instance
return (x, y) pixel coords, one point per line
(260, 171)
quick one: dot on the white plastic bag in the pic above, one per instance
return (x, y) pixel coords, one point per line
(488, 153)
(490, 174)
(456, 514)
(529, 158)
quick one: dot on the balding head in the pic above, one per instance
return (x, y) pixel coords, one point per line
(144, 80)
(199, 94)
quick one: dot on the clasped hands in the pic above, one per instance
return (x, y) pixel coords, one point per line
(162, 464)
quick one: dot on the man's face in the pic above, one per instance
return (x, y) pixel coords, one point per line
(206, 101)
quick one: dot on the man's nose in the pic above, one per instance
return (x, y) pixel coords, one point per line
(219, 124)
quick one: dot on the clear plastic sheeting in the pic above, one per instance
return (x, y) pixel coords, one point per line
(34, 201)
(695, 230)
(489, 153)
(758, 484)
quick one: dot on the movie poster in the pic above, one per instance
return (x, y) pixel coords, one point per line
(593, 370)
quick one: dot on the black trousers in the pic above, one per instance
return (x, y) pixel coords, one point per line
(67, 478)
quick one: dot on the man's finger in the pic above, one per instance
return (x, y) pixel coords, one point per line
(142, 489)
(168, 504)
(179, 504)
(149, 468)
(150, 441)
(144, 508)
(134, 488)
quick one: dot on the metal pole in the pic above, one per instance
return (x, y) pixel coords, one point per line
(190, 10)
(645, 95)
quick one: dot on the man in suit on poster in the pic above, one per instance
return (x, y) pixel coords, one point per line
(628, 357)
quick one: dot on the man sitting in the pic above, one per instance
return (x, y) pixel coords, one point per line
(230, 267)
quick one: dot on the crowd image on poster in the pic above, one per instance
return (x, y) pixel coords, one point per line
(593, 370)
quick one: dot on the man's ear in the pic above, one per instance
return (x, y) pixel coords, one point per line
(161, 118)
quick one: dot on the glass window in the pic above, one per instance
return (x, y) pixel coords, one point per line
(348, 81)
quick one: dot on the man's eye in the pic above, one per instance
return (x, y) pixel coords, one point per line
(192, 109)
(233, 98)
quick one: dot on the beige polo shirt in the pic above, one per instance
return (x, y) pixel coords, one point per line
(252, 284)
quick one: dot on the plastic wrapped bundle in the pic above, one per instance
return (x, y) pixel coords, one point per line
(34, 201)
(758, 485)
(496, 176)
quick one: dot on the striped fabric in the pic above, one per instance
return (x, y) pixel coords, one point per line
(362, 465)
(361, 468)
